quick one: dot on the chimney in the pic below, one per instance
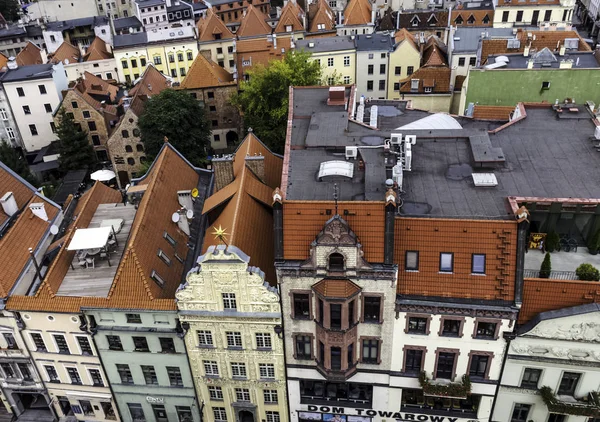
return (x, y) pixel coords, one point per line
(337, 96)
(565, 64)
(39, 210)
(373, 16)
(526, 51)
(256, 164)
(108, 47)
(9, 204)
(390, 219)
(530, 64)
(12, 63)
(81, 49)
(278, 224)
(561, 51)
(223, 171)
(274, 41)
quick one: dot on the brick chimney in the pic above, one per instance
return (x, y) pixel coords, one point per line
(223, 171)
(256, 164)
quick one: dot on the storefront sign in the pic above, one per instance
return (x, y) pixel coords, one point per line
(155, 400)
(338, 414)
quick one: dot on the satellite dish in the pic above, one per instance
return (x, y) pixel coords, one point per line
(175, 217)
(189, 214)
(195, 193)
(54, 229)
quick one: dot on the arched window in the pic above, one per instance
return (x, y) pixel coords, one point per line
(336, 262)
(131, 161)
(139, 148)
(125, 133)
(128, 148)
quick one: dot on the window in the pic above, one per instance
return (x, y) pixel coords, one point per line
(85, 346)
(461, 61)
(335, 316)
(114, 343)
(234, 339)
(238, 369)
(133, 318)
(478, 263)
(446, 262)
(136, 411)
(266, 370)
(211, 368)
(410, 70)
(52, 374)
(10, 341)
(263, 340)
(382, 85)
(568, 384)
(382, 69)
(180, 57)
(479, 366)
(229, 301)
(190, 55)
(10, 133)
(167, 345)
(20, 92)
(210, 95)
(182, 71)
(418, 325)
(4, 115)
(42, 89)
(125, 134)
(370, 69)
(413, 362)
(134, 63)
(346, 80)
(212, 108)
(157, 60)
(445, 365)
(546, 85)
(351, 319)
(272, 416)
(219, 414)
(124, 373)
(8, 370)
(96, 377)
(140, 344)
(531, 378)
(520, 412)
(86, 114)
(486, 330)
(556, 417)
(108, 75)
(505, 16)
(215, 393)
(547, 15)
(303, 347)
(149, 374)
(52, 127)
(142, 62)
(163, 256)
(61, 344)
(411, 261)
(372, 309)
(396, 86)
(370, 351)
(91, 125)
(174, 374)
(346, 61)
(242, 394)
(86, 407)
(131, 162)
(74, 376)
(321, 312)
(330, 61)
(370, 56)
(451, 328)
(217, 138)
(519, 16)
(336, 358)
(336, 262)
(33, 130)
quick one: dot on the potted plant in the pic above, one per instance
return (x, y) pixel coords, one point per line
(552, 242)
(587, 272)
(546, 267)
(594, 243)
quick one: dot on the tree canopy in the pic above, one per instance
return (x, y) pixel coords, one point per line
(10, 10)
(76, 152)
(179, 117)
(15, 161)
(264, 98)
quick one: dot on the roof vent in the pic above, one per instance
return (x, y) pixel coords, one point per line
(513, 43)
(12, 63)
(571, 43)
(336, 168)
(311, 45)
(484, 179)
(9, 204)
(39, 210)
(337, 95)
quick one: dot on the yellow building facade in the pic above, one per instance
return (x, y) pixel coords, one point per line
(336, 55)
(403, 61)
(232, 320)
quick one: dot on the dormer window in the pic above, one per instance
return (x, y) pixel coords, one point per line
(459, 20)
(471, 20)
(217, 36)
(486, 19)
(336, 262)
(415, 21)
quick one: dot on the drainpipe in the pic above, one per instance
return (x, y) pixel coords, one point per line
(508, 337)
(185, 327)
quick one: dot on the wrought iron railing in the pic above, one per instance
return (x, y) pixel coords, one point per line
(554, 275)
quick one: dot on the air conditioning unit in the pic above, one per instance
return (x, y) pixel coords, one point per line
(410, 139)
(351, 152)
(396, 138)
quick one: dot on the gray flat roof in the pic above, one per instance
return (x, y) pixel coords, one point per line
(148, 3)
(128, 22)
(37, 71)
(327, 44)
(581, 60)
(541, 155)
(74, 23)
(467, 39)
(127, 40)
(374, 42)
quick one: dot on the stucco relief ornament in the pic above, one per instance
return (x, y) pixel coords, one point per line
(184, 295)
(520, 349)
(336, 231)
(584, 331)
(269, 297)
(559, 352)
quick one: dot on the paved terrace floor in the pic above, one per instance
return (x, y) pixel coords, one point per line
(564, 264)
(96, 281)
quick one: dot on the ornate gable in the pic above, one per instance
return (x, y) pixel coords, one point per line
(336, 232)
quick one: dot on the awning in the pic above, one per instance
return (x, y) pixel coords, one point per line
(90, 238)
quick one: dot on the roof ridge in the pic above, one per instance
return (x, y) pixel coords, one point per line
(259, 18)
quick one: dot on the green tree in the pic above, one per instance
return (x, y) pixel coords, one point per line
(75, 150)
(15, 161)
(179, 117)
(264, 98)
(546, 267)
(9, 9)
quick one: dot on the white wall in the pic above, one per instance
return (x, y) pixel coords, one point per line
(49, 36)
(103, 68)
(362, 64)
(55, 10)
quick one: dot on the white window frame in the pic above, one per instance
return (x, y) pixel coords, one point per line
(346, 80)
(266, 370)
(238, 369)
(44, 364)
(272, 416)
(10, 132)
(67, 367)
(3, 114)
(77, 336)
(163, 256)
(346, 61)
(56, 344)
(206, 336)
(445, 255)
(270, 396)
(220, 414)
(234, 339)
(229, 301)
(88, 369)
(330, 61)
(242, 394)
(263, 341)
(215, 392)
(213, 365)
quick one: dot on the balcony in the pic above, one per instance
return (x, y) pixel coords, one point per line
(563, 263)
(445, 388)
(587, 406)
(12, 353)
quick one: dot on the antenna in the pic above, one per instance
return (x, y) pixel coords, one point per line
(54, 229)
(335, 197)
(189, 214)
(175, 217)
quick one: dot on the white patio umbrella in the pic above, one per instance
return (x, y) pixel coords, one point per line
(103, 175)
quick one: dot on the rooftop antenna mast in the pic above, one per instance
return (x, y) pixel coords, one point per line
(335, 197)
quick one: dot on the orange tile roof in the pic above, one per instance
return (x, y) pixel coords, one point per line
(97, 51)
(291, 15)
(3, 61)
(254, 23)
(509, 3)
(93, 84)
(259, 51)
(500, 113)
(152, 83)
(357, 12)
(541, 295)
(404, 35)
(335, 288)
(496, 239)
(211, 25)
(205, 73)
(473, 17)
(321, 14)
(438, 76)
(10, 182)
(245, 200)
(30, 55)
(433, 55)
(304, 220)
(64, 52)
